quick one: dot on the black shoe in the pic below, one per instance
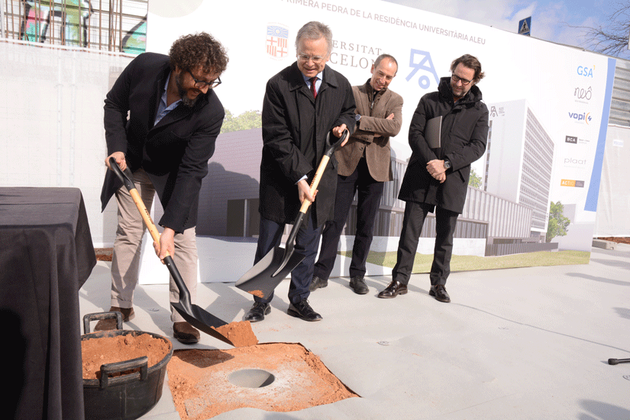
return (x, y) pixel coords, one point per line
(303, 310)
(394, 289)
(317, 283)
(439, 293)
(358, 285)
(257, 312)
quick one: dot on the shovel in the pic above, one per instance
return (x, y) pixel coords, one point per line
(266, 274)
(193, 314)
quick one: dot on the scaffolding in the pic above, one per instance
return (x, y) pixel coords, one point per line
(105, 25)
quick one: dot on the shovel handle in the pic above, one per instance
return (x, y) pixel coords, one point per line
(322, 167)
(144, 212)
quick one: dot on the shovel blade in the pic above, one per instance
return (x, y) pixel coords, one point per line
(202, 320)
(260, 279)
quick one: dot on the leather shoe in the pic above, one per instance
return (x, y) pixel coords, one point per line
(394, 289)
(439, 293)
(303, 310)
(110, 324)
(358, 285)
(185, 333)
(317, 283)
(257, 312)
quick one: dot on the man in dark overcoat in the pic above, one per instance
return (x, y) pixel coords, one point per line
(302, 104)
(162, 118)
(437, 178)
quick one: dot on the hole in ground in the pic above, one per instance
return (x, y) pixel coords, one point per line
(251, 378)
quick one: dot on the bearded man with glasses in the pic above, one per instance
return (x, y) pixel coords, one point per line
(162, 118)
(437, 178)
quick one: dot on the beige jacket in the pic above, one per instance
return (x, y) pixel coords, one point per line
(371, 138)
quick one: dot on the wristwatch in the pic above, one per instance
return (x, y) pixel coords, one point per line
(447, 164)
(357, 117)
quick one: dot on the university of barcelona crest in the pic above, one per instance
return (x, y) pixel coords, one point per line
(277, 41)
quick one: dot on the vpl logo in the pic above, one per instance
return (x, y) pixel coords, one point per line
(581, 117)
(421, 60)
(585, 71)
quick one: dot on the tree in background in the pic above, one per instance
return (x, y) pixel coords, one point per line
(612, 38)
(558, 224)
(246, 121)
(474, 180)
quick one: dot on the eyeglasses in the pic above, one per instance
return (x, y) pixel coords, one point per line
(456, 79)
(315, 59)
(200, 84)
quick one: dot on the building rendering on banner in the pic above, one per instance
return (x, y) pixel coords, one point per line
(519, 160)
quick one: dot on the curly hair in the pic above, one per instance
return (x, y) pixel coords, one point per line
(472, 63)
(201, 49)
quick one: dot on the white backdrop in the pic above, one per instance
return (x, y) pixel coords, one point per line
(568, 89)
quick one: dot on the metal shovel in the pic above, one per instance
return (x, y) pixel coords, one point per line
(193, 314)
(266, 274)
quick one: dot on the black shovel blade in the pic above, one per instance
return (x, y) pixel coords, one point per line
(202, 320)
(260, 279)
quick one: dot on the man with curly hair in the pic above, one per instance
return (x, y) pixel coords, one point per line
(162, 118)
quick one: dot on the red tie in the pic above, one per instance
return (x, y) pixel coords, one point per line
(313, 88)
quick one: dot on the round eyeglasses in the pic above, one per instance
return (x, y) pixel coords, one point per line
(200, 84)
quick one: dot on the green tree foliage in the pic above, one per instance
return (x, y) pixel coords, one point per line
(474, 180)
(246, 121)
(558, 224)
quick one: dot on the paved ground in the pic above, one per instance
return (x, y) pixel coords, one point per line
(527, 343)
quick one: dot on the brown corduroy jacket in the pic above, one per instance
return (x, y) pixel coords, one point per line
(371, 137)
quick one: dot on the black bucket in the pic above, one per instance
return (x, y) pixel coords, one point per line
(127, 396)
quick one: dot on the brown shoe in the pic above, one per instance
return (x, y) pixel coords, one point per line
(185, 333)
(110, 324)
(394, 289)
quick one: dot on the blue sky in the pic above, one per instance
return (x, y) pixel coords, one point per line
(551, 19)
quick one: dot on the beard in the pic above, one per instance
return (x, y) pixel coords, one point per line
(183, 93)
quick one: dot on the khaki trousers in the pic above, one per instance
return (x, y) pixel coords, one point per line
(128, 246)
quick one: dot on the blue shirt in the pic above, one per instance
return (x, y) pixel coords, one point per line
(162, 108)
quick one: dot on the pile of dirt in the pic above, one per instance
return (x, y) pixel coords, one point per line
(239, 333)
(200, 380)
(112, 349)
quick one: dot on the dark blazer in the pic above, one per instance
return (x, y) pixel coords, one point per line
(291, 119)
(373, 132)
(175, 152)
(464, 137)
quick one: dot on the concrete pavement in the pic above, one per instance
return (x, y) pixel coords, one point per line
(526, 343)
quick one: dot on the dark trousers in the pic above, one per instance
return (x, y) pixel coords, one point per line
(306, 243)
(369, 198)
(445, 221)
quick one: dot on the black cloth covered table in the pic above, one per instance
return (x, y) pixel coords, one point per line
(46, 254)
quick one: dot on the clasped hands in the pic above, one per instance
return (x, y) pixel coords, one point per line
(437, 170)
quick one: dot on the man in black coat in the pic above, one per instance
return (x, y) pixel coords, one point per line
(303, 103)
(162, 118)
(437, 178)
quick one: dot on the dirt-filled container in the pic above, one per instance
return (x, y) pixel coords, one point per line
(126, 389)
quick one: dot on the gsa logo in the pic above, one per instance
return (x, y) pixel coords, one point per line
(585, 71)
(581, 117)
(421, 60)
